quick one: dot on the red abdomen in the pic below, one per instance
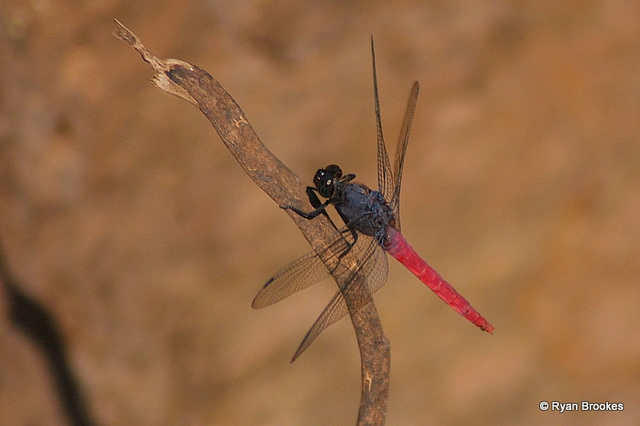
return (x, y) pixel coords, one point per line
(400, 249)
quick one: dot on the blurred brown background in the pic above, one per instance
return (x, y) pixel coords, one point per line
(124, 215)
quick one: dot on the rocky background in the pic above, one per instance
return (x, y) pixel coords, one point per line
(124, 216)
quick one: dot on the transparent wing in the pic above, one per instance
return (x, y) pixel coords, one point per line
(385, 178)
(302, 273)
(401, 150)
(370, 270)
(299, 275)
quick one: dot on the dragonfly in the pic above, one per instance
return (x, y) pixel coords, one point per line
(372, 228)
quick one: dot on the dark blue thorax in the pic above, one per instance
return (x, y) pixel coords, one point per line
(364, 210)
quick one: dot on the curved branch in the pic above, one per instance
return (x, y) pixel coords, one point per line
(195, 85)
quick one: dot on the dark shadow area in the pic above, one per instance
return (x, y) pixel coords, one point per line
(40, 327)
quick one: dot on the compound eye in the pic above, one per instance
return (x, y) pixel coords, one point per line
(334, 170)
(317, 179)
(326, 187)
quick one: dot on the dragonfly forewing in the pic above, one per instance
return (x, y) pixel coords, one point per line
(385, 178)
(401, 150)
(370, 271)
(302, 273)
(299, 275)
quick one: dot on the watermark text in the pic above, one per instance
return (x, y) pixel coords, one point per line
(563, 407)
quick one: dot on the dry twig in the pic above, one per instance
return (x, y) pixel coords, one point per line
(195, 85)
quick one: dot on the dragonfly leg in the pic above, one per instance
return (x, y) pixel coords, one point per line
(349, 245)
(320, 208)
(311, 215)
(315, 202)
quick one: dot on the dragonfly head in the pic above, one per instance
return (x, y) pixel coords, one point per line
(326, 180)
